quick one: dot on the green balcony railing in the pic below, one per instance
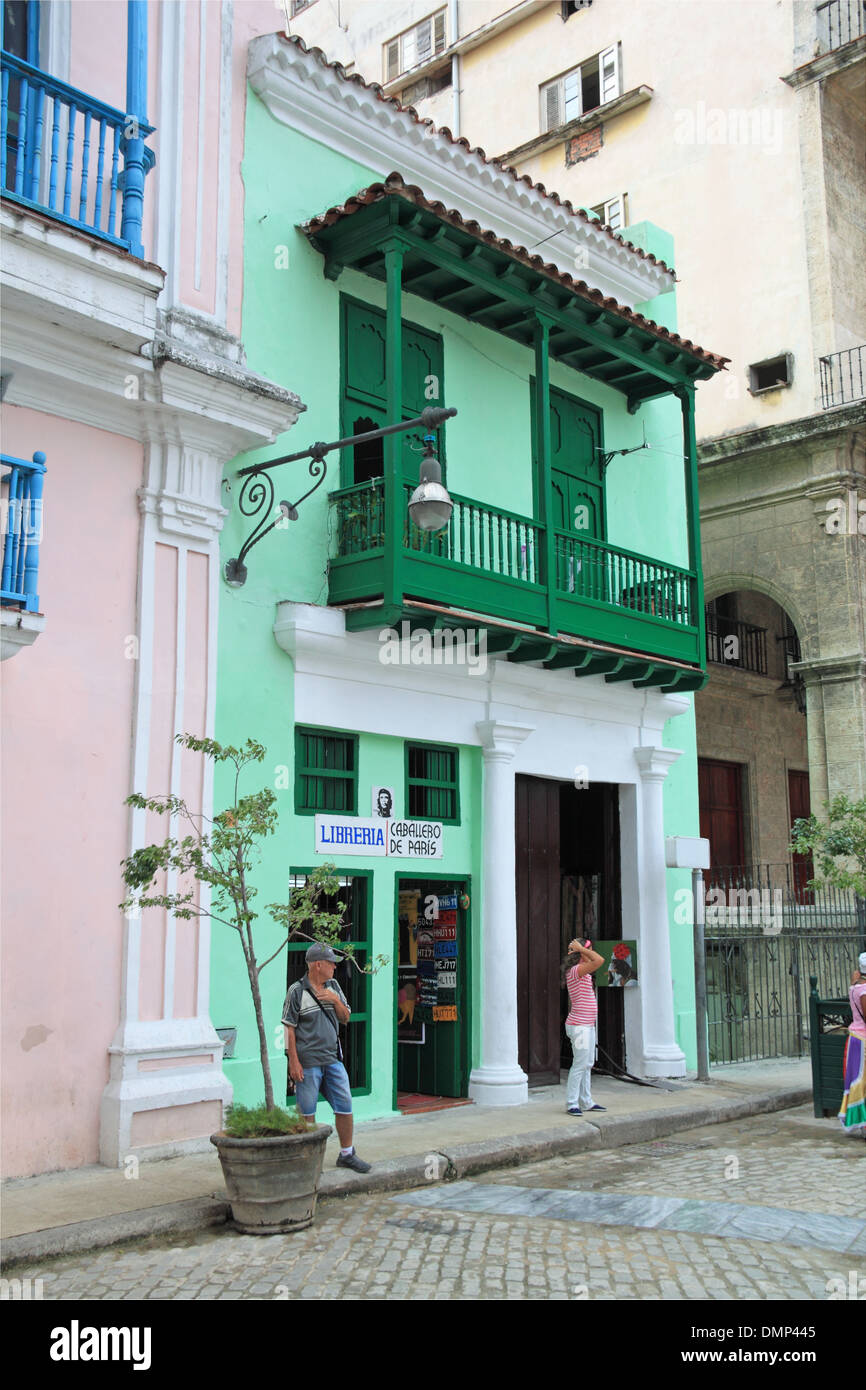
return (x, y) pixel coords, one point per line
(588, 568)
(491, 561)
(482, 538)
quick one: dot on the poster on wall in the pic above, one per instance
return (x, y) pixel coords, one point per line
(620, 964)
(382, 802)
(410, 1028)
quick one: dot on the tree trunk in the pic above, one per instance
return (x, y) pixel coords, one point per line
(260, 1024)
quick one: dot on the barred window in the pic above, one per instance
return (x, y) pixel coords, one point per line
(326, 772)
(432, 791)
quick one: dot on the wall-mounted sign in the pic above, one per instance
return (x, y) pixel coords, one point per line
(398, 839)
(415, 839)
(337, 835)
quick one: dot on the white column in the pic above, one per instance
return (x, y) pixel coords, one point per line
(658, 1052)
(499, 1080)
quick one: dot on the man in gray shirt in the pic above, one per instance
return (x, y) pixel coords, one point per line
(314, 1009)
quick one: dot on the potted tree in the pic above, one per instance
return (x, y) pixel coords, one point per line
(271, 1160)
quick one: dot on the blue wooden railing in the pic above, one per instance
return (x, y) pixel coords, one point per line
(22, 530)
(67, 154)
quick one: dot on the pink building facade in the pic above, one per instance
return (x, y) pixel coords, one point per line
(123, 365)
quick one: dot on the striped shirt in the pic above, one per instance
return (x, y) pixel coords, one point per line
(581, 994)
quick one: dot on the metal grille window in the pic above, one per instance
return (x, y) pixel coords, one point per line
(585, 88)
(432, 791)
(415, 46)
(326, 772)
(356, 893)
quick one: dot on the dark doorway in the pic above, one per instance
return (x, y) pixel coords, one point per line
(799, 804)
(568, 883)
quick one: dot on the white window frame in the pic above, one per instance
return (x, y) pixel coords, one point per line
(416, 45)
(561, 100)
(605, 210)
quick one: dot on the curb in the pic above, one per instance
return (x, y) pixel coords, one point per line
(181, 1218)
(397, 1174)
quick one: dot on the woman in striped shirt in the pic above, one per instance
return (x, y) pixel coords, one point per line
(580, 1025)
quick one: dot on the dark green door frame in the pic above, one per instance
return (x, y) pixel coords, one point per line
(416, 870)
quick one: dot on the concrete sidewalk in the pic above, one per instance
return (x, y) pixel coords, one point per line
(60, 1213)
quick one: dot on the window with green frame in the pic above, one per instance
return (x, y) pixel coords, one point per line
(326, 772)
(432, 782)
(356, 894)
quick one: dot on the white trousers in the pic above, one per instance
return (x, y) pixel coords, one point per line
(582, 1039)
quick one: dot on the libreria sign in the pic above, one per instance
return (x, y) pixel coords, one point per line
(396, 839)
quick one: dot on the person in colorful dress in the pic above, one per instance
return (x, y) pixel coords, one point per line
(853, 1111)
(580, 1025)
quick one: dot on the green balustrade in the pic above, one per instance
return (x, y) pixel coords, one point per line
(491, 561)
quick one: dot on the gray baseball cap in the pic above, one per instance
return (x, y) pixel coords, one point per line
(319, 951)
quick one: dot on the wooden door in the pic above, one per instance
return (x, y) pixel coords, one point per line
(611, 1002)
(538, 887)
(720, 787)
(364, 390)
(576, 470)
(577, 475)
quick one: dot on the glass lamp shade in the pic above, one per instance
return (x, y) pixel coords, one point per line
(430, 507)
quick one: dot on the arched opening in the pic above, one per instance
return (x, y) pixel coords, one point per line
(753, 760)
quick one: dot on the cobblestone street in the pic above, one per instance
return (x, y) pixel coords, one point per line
(766, 1208)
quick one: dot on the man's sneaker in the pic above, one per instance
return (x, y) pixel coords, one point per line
(598, 1107)
(352, 1161)
(575, 1112)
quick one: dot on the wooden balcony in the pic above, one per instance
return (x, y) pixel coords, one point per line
(564, 600)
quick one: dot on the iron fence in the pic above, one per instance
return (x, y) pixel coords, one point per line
(840, 22)
(766, 933)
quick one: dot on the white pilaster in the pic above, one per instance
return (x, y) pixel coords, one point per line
(650, 1039)
(499, 1080)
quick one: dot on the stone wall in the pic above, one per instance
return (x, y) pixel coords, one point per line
(779, 517)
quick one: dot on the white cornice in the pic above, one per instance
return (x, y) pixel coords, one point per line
(304, 94)
(320, 646)
(82, 339)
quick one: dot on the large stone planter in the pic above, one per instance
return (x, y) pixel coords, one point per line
(272, 1183)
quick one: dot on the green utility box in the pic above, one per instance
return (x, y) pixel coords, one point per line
(828, 1033)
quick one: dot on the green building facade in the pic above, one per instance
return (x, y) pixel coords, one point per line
(520, 683)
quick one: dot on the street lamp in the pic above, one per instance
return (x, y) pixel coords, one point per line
(430, 506)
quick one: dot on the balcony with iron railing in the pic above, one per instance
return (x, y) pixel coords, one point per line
(495, 564)
(72, 157)
(742, 646)
(21, 509)
(843, 377)
(839, 22)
